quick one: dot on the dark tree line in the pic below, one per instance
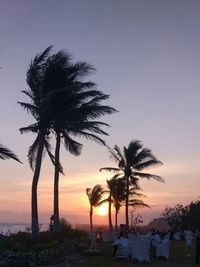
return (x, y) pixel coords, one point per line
(181, 216)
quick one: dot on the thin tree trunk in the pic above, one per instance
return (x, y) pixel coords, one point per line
(34, 204)
(116, 213)
(91, 224)
(56, 225)
(127, 202)
(109, 215)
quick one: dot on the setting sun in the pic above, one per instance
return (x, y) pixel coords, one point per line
(102, 210)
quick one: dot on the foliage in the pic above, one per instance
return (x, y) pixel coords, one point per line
(95, 195)
(65, 226)
(55, 244)
(173, 215)
(23, 242)
(183, 216)
(191, 215)
(61, 103)
(6, 153)
(131, 161)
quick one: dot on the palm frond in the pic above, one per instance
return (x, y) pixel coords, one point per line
(149, 176)
(6, 153)
(89, 136)
(32, 152)
(31, 128)
(137, 203)
(147, 164)
(110, 169)
(71, 145)
(29, 108)
(52, 157)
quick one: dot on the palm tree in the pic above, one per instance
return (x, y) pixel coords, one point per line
(65, 105)
(95, 195)
(76, 108)
(117, 198)
(38, 93)
(130, 163)
(112, 185)
(6, 153)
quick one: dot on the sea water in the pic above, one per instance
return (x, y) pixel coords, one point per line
(11, 228)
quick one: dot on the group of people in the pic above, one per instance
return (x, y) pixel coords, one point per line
(188, 235)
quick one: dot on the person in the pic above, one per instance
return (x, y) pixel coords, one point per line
(197, 245)
(51, 223)
(188, 238)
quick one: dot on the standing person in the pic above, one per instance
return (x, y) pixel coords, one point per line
(197, 247)
(188, 238)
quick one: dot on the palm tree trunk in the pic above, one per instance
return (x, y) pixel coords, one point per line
(116, 213)
(56, 225)
(91, 224)
(109, 215)
(34, 204)
(127, 202)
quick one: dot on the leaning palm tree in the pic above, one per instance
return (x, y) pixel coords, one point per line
(64, 105)
(6, 153)
(95, 195)
(131, 163)
(38, 93)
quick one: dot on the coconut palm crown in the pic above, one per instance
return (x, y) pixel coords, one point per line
(131, 163)
(95, 195)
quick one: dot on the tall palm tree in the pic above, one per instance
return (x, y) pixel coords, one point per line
(62, 104)
(77, 106)
(6, 153)
(38, 93)
(131, 163)
(95, 195)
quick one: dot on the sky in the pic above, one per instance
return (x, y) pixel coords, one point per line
(146, 53)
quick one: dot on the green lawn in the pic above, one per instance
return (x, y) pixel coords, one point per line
(177, 258)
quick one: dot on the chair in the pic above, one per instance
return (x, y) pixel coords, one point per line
(162, 249)
(140, 250)
(123, 250)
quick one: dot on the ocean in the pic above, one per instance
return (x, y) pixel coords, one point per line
(10, 228)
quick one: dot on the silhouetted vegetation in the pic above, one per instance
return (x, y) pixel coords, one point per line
(183, 216)
(95, 195)
(130, 163)
(62, 104)
(6, 153)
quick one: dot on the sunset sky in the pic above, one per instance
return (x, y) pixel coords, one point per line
(147, 56)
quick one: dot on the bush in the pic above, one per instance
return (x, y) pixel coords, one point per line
(40, 247)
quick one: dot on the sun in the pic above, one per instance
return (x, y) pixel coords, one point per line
(102, 210)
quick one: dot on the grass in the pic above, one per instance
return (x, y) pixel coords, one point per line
(178, 258)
